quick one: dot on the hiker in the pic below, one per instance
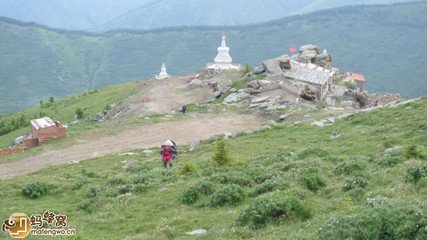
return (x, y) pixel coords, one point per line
(183, 109)
(167, 151)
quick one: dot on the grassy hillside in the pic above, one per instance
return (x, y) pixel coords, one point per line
(291, 182)
(91, 103)
(386, 43)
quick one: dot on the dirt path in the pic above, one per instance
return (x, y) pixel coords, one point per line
(170, 94)
(199, 126)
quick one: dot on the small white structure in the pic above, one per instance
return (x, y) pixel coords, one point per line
(223, 60)
(163, 74)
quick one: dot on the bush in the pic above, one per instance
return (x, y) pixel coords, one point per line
(349, 168)
(86, 206)
(190, 196)
(389, 161)
(398, 221)
(414, 174)
(312, 180)
(246, 69)
(230, 179)
(79, 113)
(220, 156)
(51, 99)
(123, 189)
(227, 196)
(35, 190)
(312, 151)
(205, 187)
(350, 85)
(355, 182)
(266, 186)
(272, 208)
(188, 168)
(91, 193)
(412, 151)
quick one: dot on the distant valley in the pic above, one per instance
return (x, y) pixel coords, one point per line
(384, 42)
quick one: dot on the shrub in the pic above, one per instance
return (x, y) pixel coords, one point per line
(312, 180)
(220, 156)
(230, 179)
(349, 168)
(266, 186)
(227, 196)
(35, 190)
(86, 206)
(412, 151)
(312, 151)
(265, 177)
(80, 183)
(414, 174)
(272, 208)
(51, 99)
(355, 182)
(79, 113)
(190, 196)
(350, 85)
(401, 221)
(188, 168)
(91, 193)
(389, 160)
(205, 187)
(123, 189)
(116, 181)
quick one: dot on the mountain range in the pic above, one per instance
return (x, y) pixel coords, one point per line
(104, 15)
(386, 43)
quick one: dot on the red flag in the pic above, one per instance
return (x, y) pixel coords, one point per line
(292, 49)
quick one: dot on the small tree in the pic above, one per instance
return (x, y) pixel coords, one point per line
(220, 156)
(51, 99)
(79, 113)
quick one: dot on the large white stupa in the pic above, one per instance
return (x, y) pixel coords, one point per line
(163, 74)
(223, 60)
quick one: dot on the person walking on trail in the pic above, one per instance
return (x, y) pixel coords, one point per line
(174, 152)
(166, 151)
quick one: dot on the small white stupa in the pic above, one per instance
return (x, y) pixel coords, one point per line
(223, 60)
(163, 74)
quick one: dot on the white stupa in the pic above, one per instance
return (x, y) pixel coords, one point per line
(223, 60)
(163, 74)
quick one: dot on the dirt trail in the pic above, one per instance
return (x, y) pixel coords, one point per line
(145, 136)
(170, 94)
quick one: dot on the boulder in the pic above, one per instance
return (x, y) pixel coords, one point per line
(253, 84)
(260, 99)
(269, 123)
(284, 117)
(318, 124)
(309, 47)
(196, 83)
(197, 232)
(284, 62)
(272, 67)
(19, 140)
(258, 70)
(233, 90)
(217, 94)
(213, 84)
(232, 98)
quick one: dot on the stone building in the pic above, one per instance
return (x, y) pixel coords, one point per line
(43, 130)
(359, 79)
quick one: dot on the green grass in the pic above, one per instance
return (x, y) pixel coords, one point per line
(152, 208)
(91, 102)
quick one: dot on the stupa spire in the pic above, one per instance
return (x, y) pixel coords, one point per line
(223, 61)
(163, 74)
